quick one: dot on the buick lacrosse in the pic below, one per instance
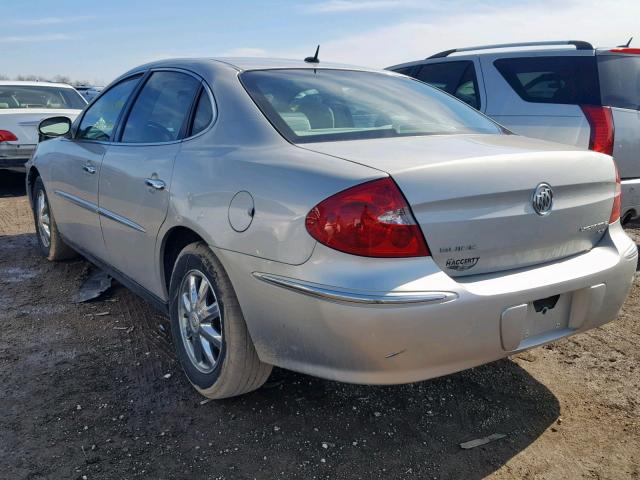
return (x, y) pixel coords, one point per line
(352, 224)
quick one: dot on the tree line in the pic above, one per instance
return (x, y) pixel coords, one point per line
(40, 78)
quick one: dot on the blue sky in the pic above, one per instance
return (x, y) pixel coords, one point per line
(97, 41)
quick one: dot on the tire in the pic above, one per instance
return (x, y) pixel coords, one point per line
(50, 242)
(216, 352)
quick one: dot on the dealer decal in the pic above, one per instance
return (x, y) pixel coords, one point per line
(461, 264)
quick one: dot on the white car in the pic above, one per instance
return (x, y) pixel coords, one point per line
(23, 105)
(566, 91)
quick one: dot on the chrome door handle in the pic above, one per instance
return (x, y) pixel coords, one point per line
(155, 183)
(89, 169)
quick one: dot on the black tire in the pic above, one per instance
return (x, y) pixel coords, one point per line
(237, 368)
(54, 249)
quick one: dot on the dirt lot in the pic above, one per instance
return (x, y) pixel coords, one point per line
(83, 395)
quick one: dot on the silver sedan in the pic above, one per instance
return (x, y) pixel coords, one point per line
(347, 223)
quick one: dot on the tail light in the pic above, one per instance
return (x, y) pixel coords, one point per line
(7, 136)
(627, 50)
(617, 199)
(602, 130)
(370, 220)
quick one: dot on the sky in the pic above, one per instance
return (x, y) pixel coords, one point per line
(97, 41)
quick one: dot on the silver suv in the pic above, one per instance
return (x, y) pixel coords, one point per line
(565, 91)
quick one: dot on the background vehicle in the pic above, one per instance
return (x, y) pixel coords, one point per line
(573, 94)
(22, 106)
(296, 214)
(89, 92)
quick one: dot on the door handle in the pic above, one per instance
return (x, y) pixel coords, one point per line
(155, 183)
(89, 169)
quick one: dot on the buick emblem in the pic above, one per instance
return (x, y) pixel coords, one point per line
(542, 200)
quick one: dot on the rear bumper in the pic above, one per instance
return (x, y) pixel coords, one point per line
(14, 157)
(347, 337)
(631, 198)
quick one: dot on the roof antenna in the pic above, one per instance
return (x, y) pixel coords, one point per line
(313, 59)
(627, 45)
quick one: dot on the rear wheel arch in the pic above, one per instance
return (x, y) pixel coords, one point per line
(173, 243)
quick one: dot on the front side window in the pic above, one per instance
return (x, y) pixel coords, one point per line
(324, 105)
(457, 78)
(25, 97)
(159, 113)
(100, 119)
(559, 80)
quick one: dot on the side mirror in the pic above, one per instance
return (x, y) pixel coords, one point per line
(54, 127)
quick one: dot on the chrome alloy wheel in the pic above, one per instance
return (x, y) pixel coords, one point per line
(44, 219)
(200, 321)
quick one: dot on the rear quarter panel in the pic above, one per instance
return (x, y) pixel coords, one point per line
(243, 152)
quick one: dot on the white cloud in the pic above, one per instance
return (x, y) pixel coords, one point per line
(55, 37)
(332, 6)
(53, 20)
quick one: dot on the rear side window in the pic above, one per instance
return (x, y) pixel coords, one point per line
(565, 80)
(456, 78)
(404, 70)
(100, 119)
(161, 109)
(203, 115)
(620, 80)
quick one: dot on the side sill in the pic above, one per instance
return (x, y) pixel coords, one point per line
(327, 292)
(132, 285)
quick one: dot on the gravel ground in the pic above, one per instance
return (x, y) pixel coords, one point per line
(94, 391)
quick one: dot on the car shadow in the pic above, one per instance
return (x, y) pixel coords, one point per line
(301, 425)
(12, 184)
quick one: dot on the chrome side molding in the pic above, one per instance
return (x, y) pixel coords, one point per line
(336, 294)
(92, 207)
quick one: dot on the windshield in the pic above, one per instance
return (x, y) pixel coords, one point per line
(22, 96)
(329, 105)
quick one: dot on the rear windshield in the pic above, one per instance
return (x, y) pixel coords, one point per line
(566, 80)
(22, 96)
(324, 105)
(620, 80)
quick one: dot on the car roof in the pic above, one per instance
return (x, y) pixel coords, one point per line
(241, 64)
(33, 84)
(525, 49)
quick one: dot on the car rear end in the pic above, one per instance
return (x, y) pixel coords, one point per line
(467, 248)
(22, 107)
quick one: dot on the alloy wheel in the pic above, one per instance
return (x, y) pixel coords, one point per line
(200, 321)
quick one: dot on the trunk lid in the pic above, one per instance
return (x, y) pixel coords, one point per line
(23, 122)
(472, 196)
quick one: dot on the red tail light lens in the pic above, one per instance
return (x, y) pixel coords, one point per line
(370, 220)
(631, 51)
(617, 199)
(602, 129)
(7, 136)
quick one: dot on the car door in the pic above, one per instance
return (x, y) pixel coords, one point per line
(75, 170)
(135, 181)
